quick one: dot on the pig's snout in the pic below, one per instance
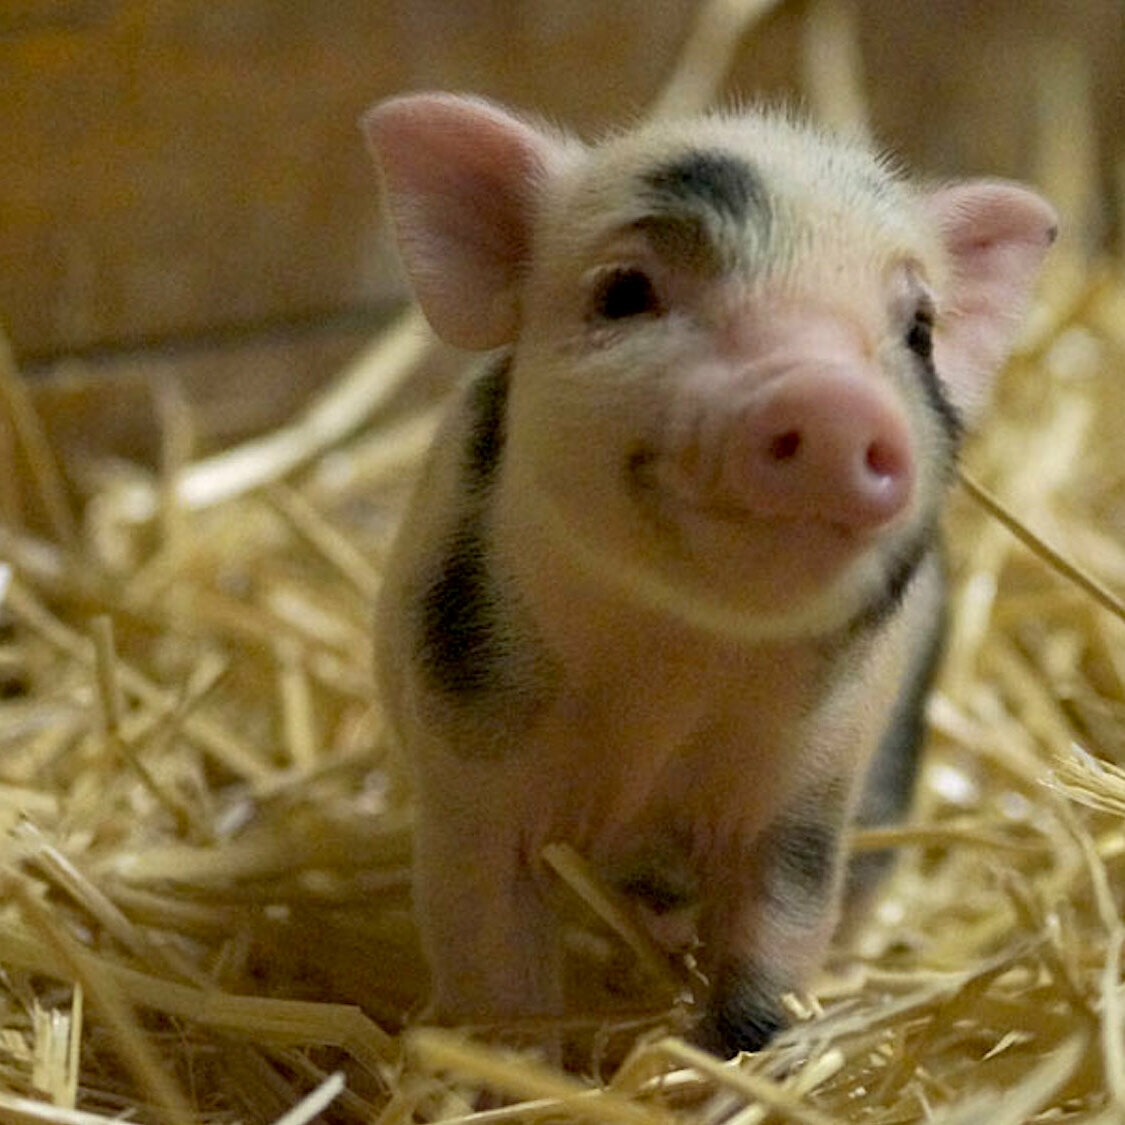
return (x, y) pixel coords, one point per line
(817, 445)
(820, 445)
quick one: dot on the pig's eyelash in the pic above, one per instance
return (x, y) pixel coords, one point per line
(625, 292)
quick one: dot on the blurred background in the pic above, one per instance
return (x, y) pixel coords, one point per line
(184, 188)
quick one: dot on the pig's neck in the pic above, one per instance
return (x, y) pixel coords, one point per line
(595, 634)
(645, 708)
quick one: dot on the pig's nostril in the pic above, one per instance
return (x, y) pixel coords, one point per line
(883, 460)
(785, 446)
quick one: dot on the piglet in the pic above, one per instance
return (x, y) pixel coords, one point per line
(670, 589)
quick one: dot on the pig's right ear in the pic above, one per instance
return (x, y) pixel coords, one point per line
(995, 235)
(461, 180)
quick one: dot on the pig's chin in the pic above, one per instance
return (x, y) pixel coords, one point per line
(770, 576)
(814, 569)
(730, 573)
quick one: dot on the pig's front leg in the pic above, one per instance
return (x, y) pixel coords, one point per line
(490, 938)
(769, 928)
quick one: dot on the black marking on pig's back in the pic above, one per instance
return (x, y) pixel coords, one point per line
(487, 409)
(462, 650)
(712, 180)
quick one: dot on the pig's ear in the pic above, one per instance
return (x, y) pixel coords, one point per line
(995, 236)
(461, 179)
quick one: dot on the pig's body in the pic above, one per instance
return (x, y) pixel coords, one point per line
(671, 576)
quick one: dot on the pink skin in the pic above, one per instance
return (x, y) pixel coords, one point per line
(779, 460)
(798, 426)
(814, 444)
(784, 454)
(820, 445)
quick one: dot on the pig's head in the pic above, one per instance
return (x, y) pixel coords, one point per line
(743, 352)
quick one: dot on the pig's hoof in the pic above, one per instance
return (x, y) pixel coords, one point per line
(740, 1017)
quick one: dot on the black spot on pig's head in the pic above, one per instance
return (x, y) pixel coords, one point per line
(714, 182)
(698, 207)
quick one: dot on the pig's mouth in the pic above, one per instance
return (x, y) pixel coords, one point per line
(800, 550)
(663, 501)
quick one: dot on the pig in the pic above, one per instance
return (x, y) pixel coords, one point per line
(670, 588)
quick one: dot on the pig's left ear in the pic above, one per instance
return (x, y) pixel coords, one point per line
(461, 177)
(995, 235)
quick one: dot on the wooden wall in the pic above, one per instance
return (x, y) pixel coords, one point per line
(174, 168)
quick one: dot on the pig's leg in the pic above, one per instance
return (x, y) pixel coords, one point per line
(769, 929)
(490, 938)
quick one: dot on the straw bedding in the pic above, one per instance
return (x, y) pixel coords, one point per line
(205, 838)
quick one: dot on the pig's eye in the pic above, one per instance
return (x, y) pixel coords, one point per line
(920, 335)
(623, 293)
